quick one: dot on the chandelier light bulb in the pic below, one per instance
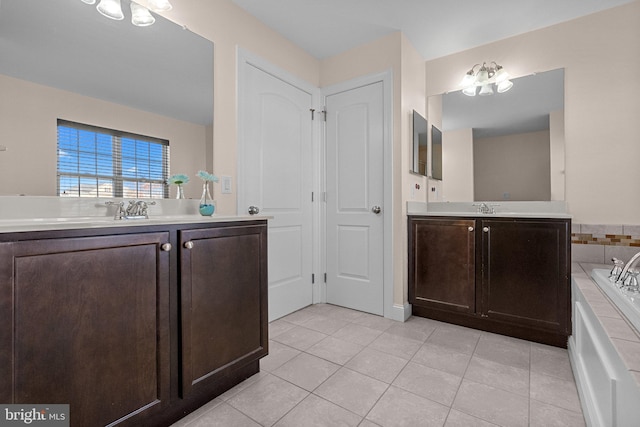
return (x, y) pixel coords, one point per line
(159, 5)
(140, 15)
(111, 9)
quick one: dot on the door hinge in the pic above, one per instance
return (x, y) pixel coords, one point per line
(325, 277)
(313, 279)
(312, 196)
(324, 113)
(313, 110)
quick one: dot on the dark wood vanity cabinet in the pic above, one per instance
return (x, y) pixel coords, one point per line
(445, 276)
(131, 326)
(87, 325)
(519, 280)
(222, 309)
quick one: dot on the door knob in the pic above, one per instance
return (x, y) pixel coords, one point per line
(485, 229)
(253, 210)
(166, 247)
(188, 245)
(470, 228)
(376, 210)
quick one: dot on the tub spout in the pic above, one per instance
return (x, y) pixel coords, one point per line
(628, 266)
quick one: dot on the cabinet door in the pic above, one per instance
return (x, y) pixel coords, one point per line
(442, 264)
(223, 279)
(89, 326)
(525, 272)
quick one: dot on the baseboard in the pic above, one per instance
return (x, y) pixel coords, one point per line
(400, 312)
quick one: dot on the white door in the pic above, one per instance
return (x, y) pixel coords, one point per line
(275, 176)
(355, 194)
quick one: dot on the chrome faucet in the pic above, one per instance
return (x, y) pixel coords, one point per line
(134, 210)
(484, 208)
(628, 273)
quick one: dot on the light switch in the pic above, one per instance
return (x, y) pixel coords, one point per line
(226, 185)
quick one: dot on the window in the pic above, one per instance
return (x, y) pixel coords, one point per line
(98, 162)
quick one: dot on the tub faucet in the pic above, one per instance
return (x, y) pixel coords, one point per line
(628, 266)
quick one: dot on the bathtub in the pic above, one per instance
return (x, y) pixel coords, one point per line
(627, 302)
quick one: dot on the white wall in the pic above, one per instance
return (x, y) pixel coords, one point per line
(601, 112)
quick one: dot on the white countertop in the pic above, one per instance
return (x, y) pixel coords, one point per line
(502, 209)
(27, 213)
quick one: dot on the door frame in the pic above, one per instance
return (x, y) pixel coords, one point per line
(245, 59)
(386, 78)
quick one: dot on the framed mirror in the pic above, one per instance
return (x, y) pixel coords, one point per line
(436, 153)
(506, 146)
(420, 144)
(61, 59)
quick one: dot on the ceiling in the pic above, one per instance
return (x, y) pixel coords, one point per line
(436, 28)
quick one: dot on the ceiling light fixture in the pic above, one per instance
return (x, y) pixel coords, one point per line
(485, 78)
(140, 15)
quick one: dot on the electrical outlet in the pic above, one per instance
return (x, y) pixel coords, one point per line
(226, 185)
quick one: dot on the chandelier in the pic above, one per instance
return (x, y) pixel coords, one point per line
(140, 15)
(485, 78)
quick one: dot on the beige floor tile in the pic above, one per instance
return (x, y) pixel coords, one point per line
(550, 360)
(278, 355)
(357, 334)
(268, 400)
(504, 377)
(335, 350)
(460, 419)
(223, 416)
(555, 391)
(279, 326)
(324, 324)
(505, 350)
(376, 364)
(442, 358)
(374, 322)
(352, 390)
(317, 412)
(461, 340)
(399, 408)
(430, 383)
(306, 371)
(396, 345)
(415, 331)
(544, 415)
(300, 338)
(492, 404)
(299, 317)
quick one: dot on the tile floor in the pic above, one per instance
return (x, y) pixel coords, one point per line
(331, 366)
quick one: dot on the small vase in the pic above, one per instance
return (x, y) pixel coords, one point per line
(207, 205)
(179, 192)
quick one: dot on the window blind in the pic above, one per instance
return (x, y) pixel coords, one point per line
(99, 162)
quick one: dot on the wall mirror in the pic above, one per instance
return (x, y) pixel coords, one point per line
(163, 69)
(420, 141)
(506, 146)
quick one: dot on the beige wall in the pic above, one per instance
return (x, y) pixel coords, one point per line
(601, 113)
(28, 128)
(457, 165)
(512, 167)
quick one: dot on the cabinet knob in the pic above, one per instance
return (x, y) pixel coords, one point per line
(166, 247)
(188, 245)
(485, 229)
(470, 228)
